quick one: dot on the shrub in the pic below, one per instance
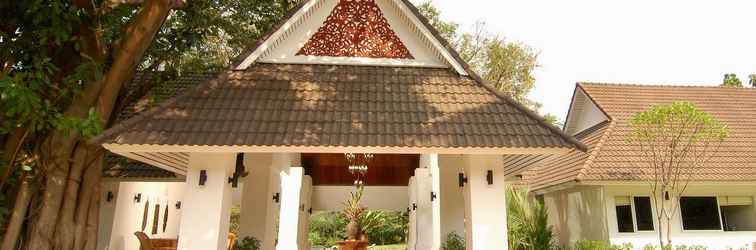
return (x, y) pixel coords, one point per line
(527, 221)
(599, 245)
(381, 227)
(453, 242)
(248, 243)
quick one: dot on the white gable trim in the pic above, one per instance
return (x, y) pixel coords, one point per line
(306, 12)
(428, 35)
(583, 113)
(269, 43)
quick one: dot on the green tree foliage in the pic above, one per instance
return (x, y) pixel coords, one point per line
(731, 80)
(676, 141)
(507, 66)
(527, 222)
(55, 57)
(752, 80)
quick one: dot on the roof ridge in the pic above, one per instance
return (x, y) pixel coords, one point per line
(128, 123)
(540, 120)
(593, 153)
(662, 85)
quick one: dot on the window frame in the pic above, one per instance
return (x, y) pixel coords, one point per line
(719, 215)
(634, 216)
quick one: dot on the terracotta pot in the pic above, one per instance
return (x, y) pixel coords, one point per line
(353, 230)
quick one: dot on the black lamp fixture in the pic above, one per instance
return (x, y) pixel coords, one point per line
(109, 196)
(462, 179)
(489, 177)
(239, 172)
(138, 198)
(277, 197)
(433, 196)
(178, 205)
(202, 177)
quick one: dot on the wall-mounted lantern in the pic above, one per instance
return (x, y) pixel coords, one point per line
(462, 179)
(178, 205)
(489, 177)
(202, 177)
(138, 198)
(433, 196)
(277, 197)
(239, 172)
(109, 196)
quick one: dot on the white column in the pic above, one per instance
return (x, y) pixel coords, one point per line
(486, 207)
(305, 200)
(453, 203)
(206, 209)
(428, 203)
(291, 188)
(411, 238)
(257, 200)
(430, 162)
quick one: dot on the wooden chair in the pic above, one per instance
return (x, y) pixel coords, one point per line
(231, 241)
(145, 243)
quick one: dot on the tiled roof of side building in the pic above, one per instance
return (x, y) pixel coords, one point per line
(328, 105)
(119, 167)
(612, 158)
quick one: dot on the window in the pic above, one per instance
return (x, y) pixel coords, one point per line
(633, 214)
(700, 213)
(737, 212)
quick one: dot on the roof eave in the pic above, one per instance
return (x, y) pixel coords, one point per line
(137, 148)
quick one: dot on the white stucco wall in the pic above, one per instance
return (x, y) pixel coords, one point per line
(577, 213)
(123, 215)
(712, 239)
(330, 198)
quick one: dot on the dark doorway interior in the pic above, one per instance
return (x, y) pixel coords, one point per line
(384, 169)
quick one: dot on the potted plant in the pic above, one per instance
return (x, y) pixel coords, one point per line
(356, 239)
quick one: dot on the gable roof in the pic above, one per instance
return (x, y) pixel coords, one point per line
(276, 106)
(610, 157)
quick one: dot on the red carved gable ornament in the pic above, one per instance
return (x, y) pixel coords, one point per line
(356, 28)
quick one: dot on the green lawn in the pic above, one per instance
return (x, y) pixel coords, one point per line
(389, 247)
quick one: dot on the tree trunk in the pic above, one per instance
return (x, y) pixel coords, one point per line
(19, 213)
(63, 172)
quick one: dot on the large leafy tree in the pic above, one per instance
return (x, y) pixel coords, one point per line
(675, 141)
(508, 66)
(65, 68)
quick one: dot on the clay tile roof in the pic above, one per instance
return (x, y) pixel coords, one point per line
(120, 167)
(610, 157)
(325, 105)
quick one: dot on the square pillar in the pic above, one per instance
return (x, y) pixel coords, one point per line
(206, 208)
(486, 206)
(428, 213)
(412, 208)
(291, 176)
(257, 200)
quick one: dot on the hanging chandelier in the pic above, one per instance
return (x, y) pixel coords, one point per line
(358, 165)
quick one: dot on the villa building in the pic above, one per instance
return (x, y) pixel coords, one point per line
(335, 77)
(604, 194)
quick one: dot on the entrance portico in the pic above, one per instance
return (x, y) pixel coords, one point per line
(391, 86)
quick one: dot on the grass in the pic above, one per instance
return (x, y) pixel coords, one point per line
(389, 247)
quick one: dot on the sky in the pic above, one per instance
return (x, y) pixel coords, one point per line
(681, 42)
